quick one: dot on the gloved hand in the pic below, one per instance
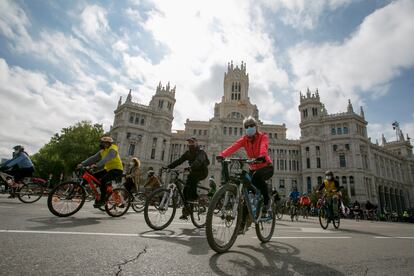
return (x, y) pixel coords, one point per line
(219, 158)
(261, 159)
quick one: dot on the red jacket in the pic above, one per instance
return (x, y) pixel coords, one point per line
(255, 147)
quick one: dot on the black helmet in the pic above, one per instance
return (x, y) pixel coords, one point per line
(329, 173)
(18, 147)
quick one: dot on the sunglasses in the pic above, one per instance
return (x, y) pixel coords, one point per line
(246, 127)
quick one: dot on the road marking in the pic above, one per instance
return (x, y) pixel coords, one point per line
(6, 207)
(101, 234)
(70, 233)
(394, 237)
(307, 237)
(170, 236)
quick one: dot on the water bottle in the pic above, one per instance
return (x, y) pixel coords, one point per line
(252, 200)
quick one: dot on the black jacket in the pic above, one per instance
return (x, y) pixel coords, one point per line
(197, 160)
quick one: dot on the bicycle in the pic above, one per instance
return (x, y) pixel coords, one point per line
(27, 192)
(324, 219)
(225, 212)
(161, 205)
(67, 198)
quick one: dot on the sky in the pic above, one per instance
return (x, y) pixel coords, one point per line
(62, 62)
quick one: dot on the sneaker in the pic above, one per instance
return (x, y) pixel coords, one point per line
(184, 217)
(11, 196)
(98, 204)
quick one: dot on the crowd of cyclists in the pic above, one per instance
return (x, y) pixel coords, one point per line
(108, 167)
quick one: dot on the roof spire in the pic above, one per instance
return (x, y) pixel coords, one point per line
(350, 107)
(129, 97)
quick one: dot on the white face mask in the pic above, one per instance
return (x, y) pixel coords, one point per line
(328, 177)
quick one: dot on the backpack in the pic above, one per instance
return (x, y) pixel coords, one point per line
(206, 161)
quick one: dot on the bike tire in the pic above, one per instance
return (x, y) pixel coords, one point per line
(225, 214)
(323, 221)
(152, 206)
(266, 236)
(69, 191)
(117, 202)
(30, 192)
(138, 202)
(198, 215)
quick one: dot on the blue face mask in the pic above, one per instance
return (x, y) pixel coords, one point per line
(250, 131)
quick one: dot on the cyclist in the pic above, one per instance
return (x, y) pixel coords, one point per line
(330, 187)
(20, 166)
(275, 195)
(153, 182)
(133, 175)
(256, 145)
(294, 198)
(305, 203)
(371, 209)
(213, 187)
(198, 161)
(107, 159)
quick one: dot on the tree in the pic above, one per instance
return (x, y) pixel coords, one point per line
(67, 149)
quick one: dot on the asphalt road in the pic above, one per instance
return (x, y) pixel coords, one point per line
(34, 242)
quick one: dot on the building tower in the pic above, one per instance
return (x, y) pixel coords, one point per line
(311, 111)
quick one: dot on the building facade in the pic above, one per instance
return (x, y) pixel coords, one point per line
(383, 174)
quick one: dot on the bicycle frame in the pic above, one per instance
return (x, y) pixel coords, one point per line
(243, 184)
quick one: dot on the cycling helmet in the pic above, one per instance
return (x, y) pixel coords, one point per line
(329, 173)
(18, 147)
(107, 139)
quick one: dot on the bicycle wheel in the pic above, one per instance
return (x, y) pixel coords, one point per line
(265, 228)
(66, 199)
(223, 219)
(138, 202)
(30, 192)
(118, 202)
(323, 218)
(160, 209)
(336, 222)
(199, 213)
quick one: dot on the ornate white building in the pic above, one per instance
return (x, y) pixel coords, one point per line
(338, 142)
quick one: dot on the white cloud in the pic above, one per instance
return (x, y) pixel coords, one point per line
(302, 14)
(94, 22)
(200, 36)
(34, 107)
(365, 63)
(13, 20)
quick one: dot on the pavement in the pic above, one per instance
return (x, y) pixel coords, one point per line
(35, 242)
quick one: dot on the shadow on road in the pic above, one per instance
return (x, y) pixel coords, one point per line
(49, 223)
(197, 245)
(272, 258)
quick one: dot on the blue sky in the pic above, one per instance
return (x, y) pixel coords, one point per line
(66, 61)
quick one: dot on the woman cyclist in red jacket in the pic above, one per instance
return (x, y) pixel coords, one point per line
(256, 144)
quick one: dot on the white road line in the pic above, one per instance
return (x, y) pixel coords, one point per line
(394, 237)
(70, 233)
(101, 234)
(6, 207)
(304, 237)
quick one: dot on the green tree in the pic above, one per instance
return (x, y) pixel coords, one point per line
(67, 149)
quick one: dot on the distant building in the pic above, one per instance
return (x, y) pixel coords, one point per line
(338, 142)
